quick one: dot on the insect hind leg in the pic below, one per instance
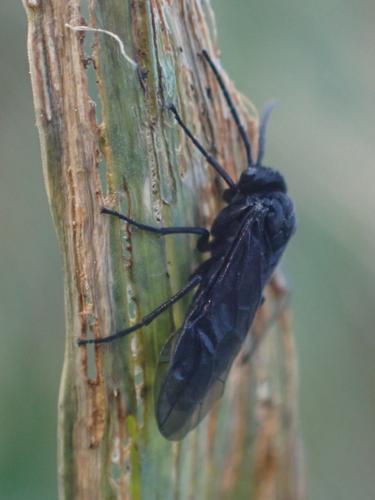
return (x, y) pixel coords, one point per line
(281, 294)
(146, 320)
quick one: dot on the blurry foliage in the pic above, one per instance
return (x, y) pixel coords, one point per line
(315, 58)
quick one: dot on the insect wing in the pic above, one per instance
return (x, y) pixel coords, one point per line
(185, 389)
(238, 290)
(164, 364)
(195, 363)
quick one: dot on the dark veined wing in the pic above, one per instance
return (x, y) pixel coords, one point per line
(183, 398)
(196, 360)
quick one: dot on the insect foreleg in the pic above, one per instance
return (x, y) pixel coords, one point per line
(203, 232)
(211, 160)
(149, 317)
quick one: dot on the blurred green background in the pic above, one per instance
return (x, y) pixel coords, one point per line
(318, 59)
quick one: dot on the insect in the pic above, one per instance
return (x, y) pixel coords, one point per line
(246, 241)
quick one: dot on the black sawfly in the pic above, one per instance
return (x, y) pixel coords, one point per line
(246, 241)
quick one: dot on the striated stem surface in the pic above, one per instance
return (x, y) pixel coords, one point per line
(108, 139)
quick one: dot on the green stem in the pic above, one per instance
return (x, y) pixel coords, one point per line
(137, 161)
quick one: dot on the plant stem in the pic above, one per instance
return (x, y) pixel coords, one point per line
(108, 139)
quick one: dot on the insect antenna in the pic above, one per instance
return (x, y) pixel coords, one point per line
(264, 117)
(236, 118)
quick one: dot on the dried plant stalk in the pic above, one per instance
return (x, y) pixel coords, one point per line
(126, 151)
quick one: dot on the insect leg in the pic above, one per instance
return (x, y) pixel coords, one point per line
(157, 230)
(203, 233)
(282, 294)
(149, 317)
(211, 160)
(236, 118)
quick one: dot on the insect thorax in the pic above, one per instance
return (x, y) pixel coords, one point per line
(256, 180)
